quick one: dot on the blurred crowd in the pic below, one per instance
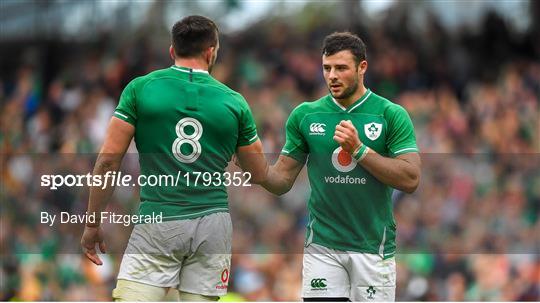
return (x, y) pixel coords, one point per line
(470, 232)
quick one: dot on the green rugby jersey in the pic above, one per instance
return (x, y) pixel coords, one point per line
(185, 122)
(349, 209)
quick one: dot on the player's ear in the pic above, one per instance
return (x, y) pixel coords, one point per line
(171, 52)
(362, 67)
(208, 54)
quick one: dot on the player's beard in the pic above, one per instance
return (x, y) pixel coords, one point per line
(349, 91)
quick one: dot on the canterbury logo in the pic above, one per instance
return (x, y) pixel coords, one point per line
(317, 128)
(318, 283)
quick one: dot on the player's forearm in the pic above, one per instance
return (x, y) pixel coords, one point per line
(251, 159)
(257, 166)
(100, 195)
(281, 176)
(397, 173)
(276, 181)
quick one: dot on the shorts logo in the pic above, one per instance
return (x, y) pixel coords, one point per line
(371, 292)
(224, 279)
(342, 160)
(225, 276)
(318, 284)
(373, 130)
(317, 129)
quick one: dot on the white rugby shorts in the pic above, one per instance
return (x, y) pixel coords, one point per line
(192, 255)
(344, 274)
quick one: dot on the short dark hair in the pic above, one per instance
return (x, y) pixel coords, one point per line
(192, 35)
(340, 41)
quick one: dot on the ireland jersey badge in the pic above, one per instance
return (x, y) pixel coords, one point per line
(373, 130)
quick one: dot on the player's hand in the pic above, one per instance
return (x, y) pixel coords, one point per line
(347, 136)
(235, 160)
(91, 237)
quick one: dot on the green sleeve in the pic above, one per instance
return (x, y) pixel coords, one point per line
(401, 139)
(126, 109)
(247, 131)
(295, 145)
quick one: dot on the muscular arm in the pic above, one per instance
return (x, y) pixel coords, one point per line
(118, 137)
(402, 172)
(278, 178)
(251, 159)
(117, 140)
(281, 175)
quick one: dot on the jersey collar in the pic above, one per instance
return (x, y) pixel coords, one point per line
(189, 70)
(354, 105)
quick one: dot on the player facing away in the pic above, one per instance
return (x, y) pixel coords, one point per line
(360, 147)
(183, 120)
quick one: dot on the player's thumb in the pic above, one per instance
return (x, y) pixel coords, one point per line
(102, 247)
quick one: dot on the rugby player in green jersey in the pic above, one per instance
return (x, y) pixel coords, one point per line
(185, 123)
(361, 146)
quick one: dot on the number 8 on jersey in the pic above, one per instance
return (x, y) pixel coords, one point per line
(184, 138)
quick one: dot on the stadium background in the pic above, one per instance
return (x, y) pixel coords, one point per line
(467, 72)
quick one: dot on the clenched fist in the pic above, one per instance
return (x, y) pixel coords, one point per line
(347, 136)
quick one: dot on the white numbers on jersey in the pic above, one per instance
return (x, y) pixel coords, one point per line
(184, 138)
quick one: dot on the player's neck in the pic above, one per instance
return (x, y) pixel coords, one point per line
(194, 63)
(346, 102)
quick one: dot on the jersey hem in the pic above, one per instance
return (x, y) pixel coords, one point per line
(358, 250)
(196, 215)
(172, 212)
